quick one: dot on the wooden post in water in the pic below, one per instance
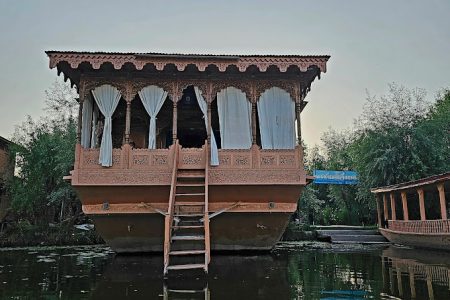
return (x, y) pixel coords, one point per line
(412, 284)
(399, 282)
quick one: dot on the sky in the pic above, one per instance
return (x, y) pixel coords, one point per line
(371, 43)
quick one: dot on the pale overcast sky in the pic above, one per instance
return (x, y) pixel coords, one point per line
(371, 43)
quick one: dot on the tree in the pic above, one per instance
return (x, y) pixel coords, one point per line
(399, 137)
(45, 149)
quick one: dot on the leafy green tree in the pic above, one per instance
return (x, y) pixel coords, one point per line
(398, 137)
(45, 153)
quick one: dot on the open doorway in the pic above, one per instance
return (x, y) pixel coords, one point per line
(191, 130)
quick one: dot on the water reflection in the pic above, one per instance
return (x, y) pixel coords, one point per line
(291, 272)
(416, 274)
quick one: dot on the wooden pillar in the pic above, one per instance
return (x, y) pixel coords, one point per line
(421, 193)
(174, 121)
(393, 210)
(254, 122)
(442, 201)
(429, 284)
(391, 279)
(405, 206)
(386, 212)
(298, 110)
(208, 130)
(412, 284)
(128, 123)
(399, 282)
(80, 120)
(383, 271)
(380, 220)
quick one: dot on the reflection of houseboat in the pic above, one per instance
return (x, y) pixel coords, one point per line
(422, 220)
(185, 138)
(416, 274)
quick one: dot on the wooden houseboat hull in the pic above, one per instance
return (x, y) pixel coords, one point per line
(253, 218)
(439, 241)
(230, 231)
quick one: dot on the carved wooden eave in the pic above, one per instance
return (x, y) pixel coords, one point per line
(160, 61)
(73, 64)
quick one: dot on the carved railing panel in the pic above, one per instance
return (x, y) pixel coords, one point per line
(280, 159)
(89, 159)
(144, 166)
(235, 159)
(191, 158)
(150, 159)
(418, 226)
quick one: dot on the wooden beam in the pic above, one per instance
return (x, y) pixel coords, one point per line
(128, 123)
(405, 206)
(298, 110)
(253, 122)
(174, 121)
(421, 193)
(386, 212)
(442, 201)
(393, 210)
(380, 220)
(208, 129)
(80, 119)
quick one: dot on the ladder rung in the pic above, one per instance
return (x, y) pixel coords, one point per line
(187, 252)
(191, 175)
(190, 184)
(186, 267)
(190, 204)
(186, 291)
(189, 215)
(192, 194)
(187, 226)
(188, 237)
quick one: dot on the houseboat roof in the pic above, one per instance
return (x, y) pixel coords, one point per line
(5, 142)
(73, 63)
(412, 184)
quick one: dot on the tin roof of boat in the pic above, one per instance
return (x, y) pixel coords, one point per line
(413, 184)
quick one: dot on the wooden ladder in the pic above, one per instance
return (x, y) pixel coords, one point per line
(187, 237)
(186, 293)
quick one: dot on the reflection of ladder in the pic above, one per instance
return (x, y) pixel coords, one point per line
(186, 239)
(189, 293)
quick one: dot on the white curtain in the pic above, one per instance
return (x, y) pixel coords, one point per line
(204, 108)
(86, 123)
(152, 98)
(276, 113)
(107, 98)
(235, 114)
(94, 127)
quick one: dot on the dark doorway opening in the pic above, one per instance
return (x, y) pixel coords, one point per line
(191, 130)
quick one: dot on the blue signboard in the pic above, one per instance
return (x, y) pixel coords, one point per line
(335, 177)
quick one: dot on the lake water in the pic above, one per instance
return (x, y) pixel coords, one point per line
(292, 271)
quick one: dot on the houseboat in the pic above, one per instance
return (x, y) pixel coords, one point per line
(169, 142)
(415, 213)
